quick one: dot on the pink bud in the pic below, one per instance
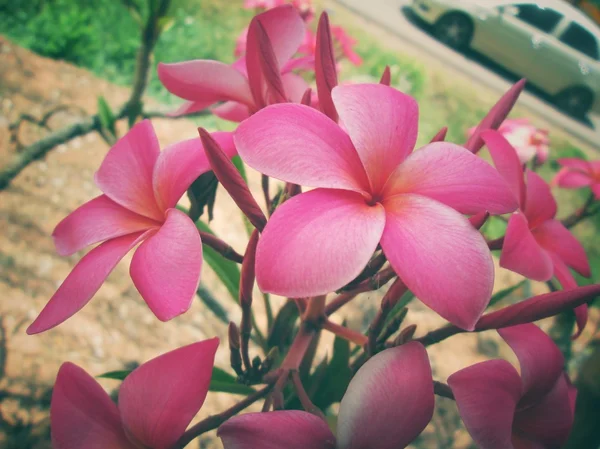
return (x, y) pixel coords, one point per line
(325, 71)
(386, 76)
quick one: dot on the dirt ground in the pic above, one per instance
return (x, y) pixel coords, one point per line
(116, 327)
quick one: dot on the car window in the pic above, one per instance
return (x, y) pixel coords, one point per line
(545, 19)
(581, 40)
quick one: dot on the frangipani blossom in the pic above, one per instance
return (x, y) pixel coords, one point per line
(157, 402)
(346, 44)
(371, 191)
(502, 410)
(141, 186)
(536, 245)
(249, 84)
(577, 173)
(386, 406)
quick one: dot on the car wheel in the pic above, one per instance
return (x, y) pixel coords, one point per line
(575, 101)
(455, 30)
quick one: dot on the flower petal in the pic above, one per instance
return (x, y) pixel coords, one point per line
(382, 123)
(521, 252)
(190, 107)
(389, 401)
(570, 179)
(232, 111)
(540, 205)
(205, 81)
(97, 220)
(158, 400)
(540, 359)
(453, 176)
(180, 164)
(553, 236)
(549, 421)
(487, 395)
(442, 259)
(507, 162)
(166, 268)
(285, 29)
(576, 164)
(84, 281)
(290, 429)
(317, 242)
(82, 414)
(294, 86)
(125, 175)
(298, 144)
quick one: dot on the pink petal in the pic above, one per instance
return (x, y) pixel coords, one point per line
(180, 164)
(84, 281)
(596, 190)
(82, 415)
(389, 401)
(294, 86)
(205, 81)
(166, 268)
(521, 252)
(506, 161)
(285, 29)
(442, 259)
(298, 144)
(190, 107)
(576, 164)
(125, 175)
(540, 359)
(232, 111)
(454, 176)
(97, 220)
(382, 123)
(569, 179)
(549, 421)
(486, 395)
(540, 205)
(317, 242)
(553, 236)
(158, 400)
(290, 429)
(302, 63)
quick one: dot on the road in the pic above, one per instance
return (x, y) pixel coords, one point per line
(391, 15)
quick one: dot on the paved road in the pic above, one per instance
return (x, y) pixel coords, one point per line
(391, 14)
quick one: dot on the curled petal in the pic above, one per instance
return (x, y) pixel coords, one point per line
(294, 86)
(454, 176)
(325, 67)
(82, 414)
(487, 395)
(439, 256)
(190, 107)
(97, 220)
(84, 281)
(576, 164)
(317, 242)
(166, 268)
(298, 144)
(180, 164)
(290, 429)
(570, 179)
(522, 253)
(205, 81)
(540, 359)
(158, 400)
(125, 175)
(232, 111)
(389, 401)
(382, 123)
(540, 205)
(285, 30)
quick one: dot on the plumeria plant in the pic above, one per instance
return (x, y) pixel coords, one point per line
(357, 209)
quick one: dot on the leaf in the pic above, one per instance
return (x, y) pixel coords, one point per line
(202, 194)
(226, 383)
(494, 228)
(226, 270)
(506, 292)
(239, 164)
(338, 374)
(107, 118)
(283, 326)
(211, 302)
(118, 375)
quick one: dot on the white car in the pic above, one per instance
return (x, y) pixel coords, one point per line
(549, 42)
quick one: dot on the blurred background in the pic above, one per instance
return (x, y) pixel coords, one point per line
(64, 61)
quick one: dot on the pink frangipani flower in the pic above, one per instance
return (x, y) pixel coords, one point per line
(387, 405)
(577, 173)
(141, 186)
(157, 401)
(371, 191)
(536, 245)
(502, 410)
(251, 83)
(346, 44)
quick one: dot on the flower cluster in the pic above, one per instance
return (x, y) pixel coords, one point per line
(358, 206)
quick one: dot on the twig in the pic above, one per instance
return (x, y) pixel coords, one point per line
(388, 302)
(307, 404)
(221, 247)
(580, 214)
(346, 333)
(441, 389)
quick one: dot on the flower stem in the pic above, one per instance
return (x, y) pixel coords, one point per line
(344, 332)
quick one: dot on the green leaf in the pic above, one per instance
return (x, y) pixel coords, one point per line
(202, 195)
(506, 292)
(107, 118)
(337, 376)
(239, 164)
(213, 304)
(494, 228)
(227, 270)
(283, 327)
(226, 383)
(118, 375)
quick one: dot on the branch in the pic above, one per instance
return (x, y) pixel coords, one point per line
(443, 390)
